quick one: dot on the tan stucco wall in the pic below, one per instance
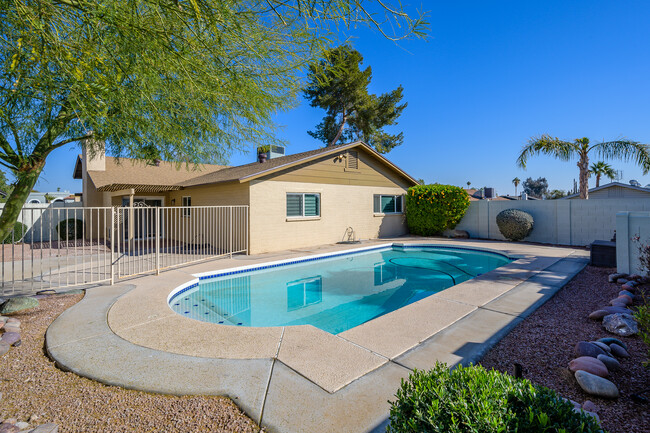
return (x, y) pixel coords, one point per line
(220, 194)
(342, 206)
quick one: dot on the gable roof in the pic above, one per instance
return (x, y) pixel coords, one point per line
(610, 185)
(125, 173)
(254, 170)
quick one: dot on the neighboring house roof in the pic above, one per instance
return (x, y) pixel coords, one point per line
(138, 174)
(607, 186)
(126, 173)
(475, 195)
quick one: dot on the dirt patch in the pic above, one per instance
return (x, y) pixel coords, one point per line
(31, 385)
(545, 341)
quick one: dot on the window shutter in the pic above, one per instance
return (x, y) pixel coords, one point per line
(353, 159)
(376, 207)
(294, 205)
(312, 205)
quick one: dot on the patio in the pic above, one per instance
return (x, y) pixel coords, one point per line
(126, 335)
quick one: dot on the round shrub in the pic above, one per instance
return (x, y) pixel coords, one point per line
(19, 231)
(430, 209)
(473, 399)
(69, 229)
(515, 224)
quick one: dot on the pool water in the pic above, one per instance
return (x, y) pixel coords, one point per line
(336, 293)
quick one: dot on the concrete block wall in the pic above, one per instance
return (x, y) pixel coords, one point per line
(41, 219)
(630, 225)
(563, 222)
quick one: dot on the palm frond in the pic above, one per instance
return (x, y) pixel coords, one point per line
(547, 145)
(625, 150)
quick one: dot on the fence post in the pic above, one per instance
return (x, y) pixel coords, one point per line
(157, 231)
(230, 233)
(112, 245)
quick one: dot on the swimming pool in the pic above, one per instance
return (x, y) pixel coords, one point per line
(334, 292)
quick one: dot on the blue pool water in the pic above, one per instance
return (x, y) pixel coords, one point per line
(336, 293)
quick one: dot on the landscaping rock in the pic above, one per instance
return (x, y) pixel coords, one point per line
(22, 425)
(6, 427)
(4, 348)
(598, 315)
(635, 277)
(589, 406)
(610, 362)
(12, 321)
(46, 292)
(46, 428)
(590, 365)
(627, 293)
(632, 283)
(627, 287)
(456, 234)
(614, 310)
(2, 324)
(15, 305)
(596, 385)
(623, 299)
(620, 324)
(618, 304)
(11, 338)
(619, 351)
(584, 348)
(11, 329)
(601, 345)
(622, 280)
(613, 277)
(610, 340)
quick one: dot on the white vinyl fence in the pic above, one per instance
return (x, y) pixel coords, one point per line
(561, 222)
(57, 247)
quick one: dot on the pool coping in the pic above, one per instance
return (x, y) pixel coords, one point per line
(122, 335)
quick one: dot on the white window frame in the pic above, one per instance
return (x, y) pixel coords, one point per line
(395, 197)
(186, 203)
(302, 201)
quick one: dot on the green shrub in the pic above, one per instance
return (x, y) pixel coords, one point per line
(642, 316)
(472, 399)
(515, 224)
(69, 229)
(430, 209)
(19, 231)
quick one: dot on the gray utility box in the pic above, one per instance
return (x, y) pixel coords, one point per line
(603, 253)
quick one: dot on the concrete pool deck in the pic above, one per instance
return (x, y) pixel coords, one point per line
(300, 378)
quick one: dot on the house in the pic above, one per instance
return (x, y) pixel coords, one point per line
(299, 200)
(614, 190)
(36, 197)
(489, 194)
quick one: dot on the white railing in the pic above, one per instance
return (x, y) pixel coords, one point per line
(56, 248)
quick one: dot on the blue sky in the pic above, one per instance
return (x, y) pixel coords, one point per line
(489, 76)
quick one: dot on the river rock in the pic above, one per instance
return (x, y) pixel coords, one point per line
(6, 427)
(589, 406)
(623, 299)
(11, 338)
(620, 324)
(613, 277)
(614, 310)
(22, 425)
(584, 348)
(596, 385)
(456, 234)
(615, 303)
(619, 351)
(590, 365)
(610, 362)
(4, 348)
(15, 305)
(627, 287)
(601, 345)
(622, 280)
(2, 324)
(46, 428)
(610, 340)
(11, 328)
(626, 293)
(13, 321)
(598, 315)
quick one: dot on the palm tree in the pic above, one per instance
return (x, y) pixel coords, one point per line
(580, 148)
(602, 168)
(516, 181)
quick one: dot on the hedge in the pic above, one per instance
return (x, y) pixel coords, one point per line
(430, 209)
(70, 229)
(473, 399)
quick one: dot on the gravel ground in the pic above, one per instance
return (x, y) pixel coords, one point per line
(31, 385)
(545, 341)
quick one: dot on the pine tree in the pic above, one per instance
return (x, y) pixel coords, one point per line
(338, 85)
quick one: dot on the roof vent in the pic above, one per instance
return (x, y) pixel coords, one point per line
(489, 192)
(635, 182)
